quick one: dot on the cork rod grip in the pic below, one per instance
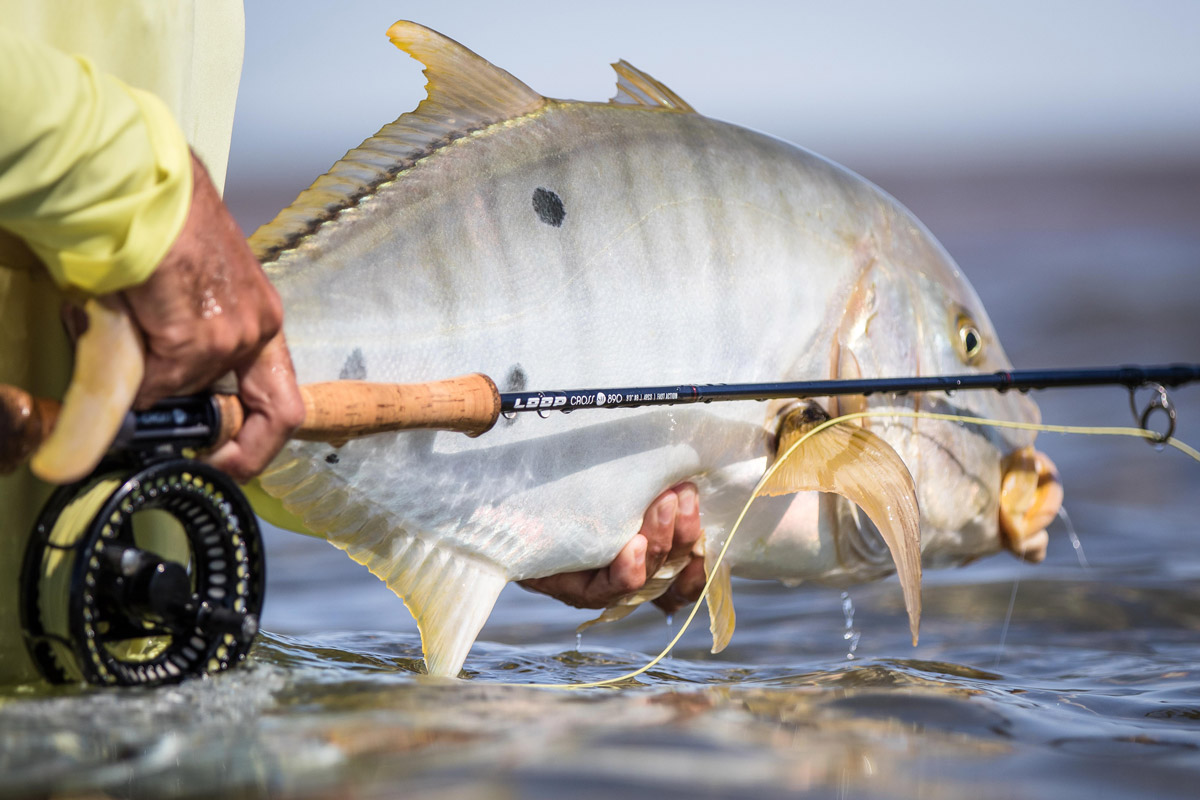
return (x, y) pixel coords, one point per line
(341, 410)
(334, 412)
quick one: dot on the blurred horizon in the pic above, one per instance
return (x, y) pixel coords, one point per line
(1059, 146)
(876, 86)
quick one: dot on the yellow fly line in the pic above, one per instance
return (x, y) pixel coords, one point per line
(1082, 430)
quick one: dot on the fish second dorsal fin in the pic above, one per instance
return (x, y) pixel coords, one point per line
(635, 87)
(465, 93)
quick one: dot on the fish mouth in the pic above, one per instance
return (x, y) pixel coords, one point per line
(1031, 495)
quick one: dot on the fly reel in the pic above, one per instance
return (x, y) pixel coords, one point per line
(143, 575)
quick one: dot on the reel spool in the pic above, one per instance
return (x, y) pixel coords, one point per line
(143, 575)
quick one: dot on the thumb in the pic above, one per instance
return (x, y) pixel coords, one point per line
(108, 371)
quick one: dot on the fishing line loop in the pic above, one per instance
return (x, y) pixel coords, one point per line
(1161, 401)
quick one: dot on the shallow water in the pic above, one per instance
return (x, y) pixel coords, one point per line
(1089, 690)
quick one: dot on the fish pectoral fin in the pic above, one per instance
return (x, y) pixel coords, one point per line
(721, 619)
(637, 88)
(653, 589)
(848, 370)
(109, 365)
(449, 593)
(853, 462)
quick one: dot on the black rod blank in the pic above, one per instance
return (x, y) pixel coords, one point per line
(1022, 380)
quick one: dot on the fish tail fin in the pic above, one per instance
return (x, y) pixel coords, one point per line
(449, 594)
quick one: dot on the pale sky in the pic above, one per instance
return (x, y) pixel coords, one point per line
(875, 84)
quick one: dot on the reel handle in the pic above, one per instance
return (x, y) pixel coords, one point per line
(335, 412)
(25, 422)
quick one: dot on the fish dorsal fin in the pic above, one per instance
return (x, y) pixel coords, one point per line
(635, 87)
(464, 93)
(853, 462)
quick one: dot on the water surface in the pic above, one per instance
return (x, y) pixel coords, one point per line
(1058, 680)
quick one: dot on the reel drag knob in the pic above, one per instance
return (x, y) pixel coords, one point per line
(139, 584)
(143, 578)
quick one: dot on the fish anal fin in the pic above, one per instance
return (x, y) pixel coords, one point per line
(721, 619)
(465, 94)
(857, 464)
(613, 613)
(635, 87)
(449, 593)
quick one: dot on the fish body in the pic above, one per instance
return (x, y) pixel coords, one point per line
(558, 243)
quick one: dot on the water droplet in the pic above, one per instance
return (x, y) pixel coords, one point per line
(850, 635)
(578, 641)
(1075, 543)
(670, 620)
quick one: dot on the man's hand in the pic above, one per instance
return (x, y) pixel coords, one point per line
(208, 309)
(670, 528)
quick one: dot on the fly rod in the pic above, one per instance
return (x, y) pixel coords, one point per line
(338, 411)
(1021, 380)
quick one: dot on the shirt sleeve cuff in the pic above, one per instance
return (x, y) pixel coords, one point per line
(97, 175)
(151, 214)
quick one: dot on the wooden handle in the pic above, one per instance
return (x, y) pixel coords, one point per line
(333, 412)
(25, 422)
(342, 410)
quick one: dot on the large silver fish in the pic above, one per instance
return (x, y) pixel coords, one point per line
(557, 243)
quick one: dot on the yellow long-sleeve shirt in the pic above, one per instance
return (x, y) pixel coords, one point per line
(95, 176)
(98, 104)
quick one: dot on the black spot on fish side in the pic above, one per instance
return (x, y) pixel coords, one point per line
(332, 458)
(549, 207)
(355, 368)
(516, 380)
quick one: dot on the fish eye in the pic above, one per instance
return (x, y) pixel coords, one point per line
(970, 339)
